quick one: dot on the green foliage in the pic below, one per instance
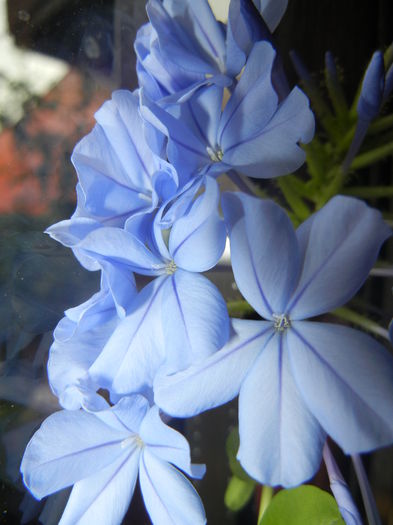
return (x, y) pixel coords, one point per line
(238, 493)
(240, 487)
(304, 505)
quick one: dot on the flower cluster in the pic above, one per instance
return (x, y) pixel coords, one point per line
(212, 99)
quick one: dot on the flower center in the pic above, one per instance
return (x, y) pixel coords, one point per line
(132, 440)
(170, 268)
(215, 155)
(281, 322)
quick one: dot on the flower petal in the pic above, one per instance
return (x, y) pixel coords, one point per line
(169, 497)
(117, 245)
(217, 379)
(280, 440)
(135, 350)
(197, 239)
(272, 11)
(253, 101)
(339, 245)
(346, 380)
(105, 496)
(275, 150)
(69, 446)
(264, 251)
(168, 444)
(195, 319)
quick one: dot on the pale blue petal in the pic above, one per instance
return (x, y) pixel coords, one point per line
(189, 37)
(195, 319)
(272, 11)
(131, 411)
(197, 240)
(339, 245)
(253, 102)
(264, 251)
(106, 192)
(69, 233)
(134, 352)
(69, 361)
(104, 497)
(217, 379)
(123, 126)
(346, 380)
(275, 150)
(68, 447)
(244, 28)
(280, 440)
(121, 286)
(117, 245)
(201, 113)
(169, 497)
(185, 150)
(167, 444)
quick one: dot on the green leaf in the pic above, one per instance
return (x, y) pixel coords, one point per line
(302, 505)
(232, 446)
(238, 493)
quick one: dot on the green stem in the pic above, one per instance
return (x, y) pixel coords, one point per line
(239, 307)
(266, 497)
(349, 315)
(294, 200)
(370, 157)
(381, 125)
(370, 192)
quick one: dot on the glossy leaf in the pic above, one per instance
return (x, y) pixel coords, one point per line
(238, 493)
(304, 504)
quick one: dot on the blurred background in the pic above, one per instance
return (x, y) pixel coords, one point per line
(59, 61)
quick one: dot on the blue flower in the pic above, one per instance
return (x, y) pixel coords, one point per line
(179, 317)
(371, 94)
(184, 47)
(81, 335)
(297, 380)
(120, 178)
(256, 134)
(101, 455)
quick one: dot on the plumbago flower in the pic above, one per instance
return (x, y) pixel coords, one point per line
(80, 337)
(102, 453)
(184, 47)
(297, 380)
(256, 133)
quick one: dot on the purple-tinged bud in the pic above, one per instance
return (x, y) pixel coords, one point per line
(340, 490)
(388, 84)
(370, 98)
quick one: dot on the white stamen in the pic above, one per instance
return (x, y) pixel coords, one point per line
(171, 268)
(215, 155)
(281, 322)
(132, 440)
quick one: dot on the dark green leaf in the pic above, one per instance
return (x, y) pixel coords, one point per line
(304, 505)
(238, 493)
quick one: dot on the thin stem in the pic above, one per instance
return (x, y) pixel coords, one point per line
(239, 307)
(266, 497)
(367, 495)
(381, 124)
(360, 320)
(370, 192)
(370, 157)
